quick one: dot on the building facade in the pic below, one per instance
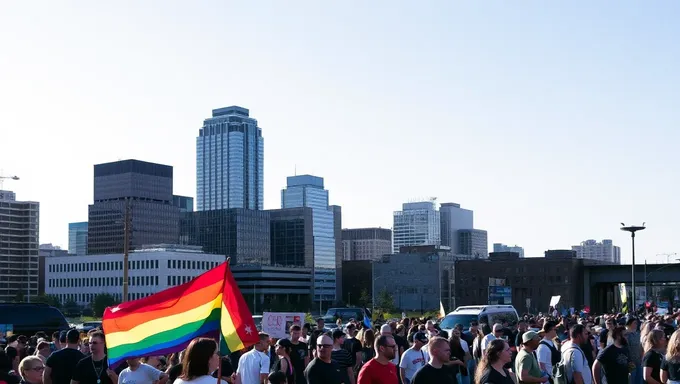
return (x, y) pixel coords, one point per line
(473, 242)
(49, 250)
(140, 191)
(308, 191)
(270, 288)
(77, 238)
(229, 161)
(19, 248)
(499, 247)
(604, 251)
(242, 234)
(184, 203)
(292, 237)
(417, 223)
(366, 243)
(453, 219)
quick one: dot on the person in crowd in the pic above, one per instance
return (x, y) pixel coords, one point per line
(94, 369)
(574, 358)
(613, 360)
(31, 370)
(380, 369)
(459, 353)
(85, 347)
(201, 359)
(60, 365)
(284, 348)
(277, 377)
(497, 333)
(6, 372)
(138, 372)
(43, 351)
(342, 358)
(175, 368)
(548, 353)
(491, 368)
(590, 346)
(634, 349)
(605, 335)
(526, 365)
(414, 358)
(517, 335)
(322, 370)
(438, 369)
(253, 366)
(386, 330)
(14, 358)
(670, 366)
(299, 355)
(353, 346)
(226, 371)
(367, 346)
(654, 346)
(306, 332)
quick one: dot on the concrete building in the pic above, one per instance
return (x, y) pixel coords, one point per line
(499, 247)
(229, 161)
(337, 234)
(77, 238)
(418, 223)
(308, 191)
(242, 234)
(49, 250)
(366, 243)
(145, 191)
(604, 251)
(184, 203)
(270, 288)
(453, 219)
(473, 242)
(19, 248)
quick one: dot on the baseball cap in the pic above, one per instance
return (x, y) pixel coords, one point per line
(420, 336)
(385, 328)
(528, 336)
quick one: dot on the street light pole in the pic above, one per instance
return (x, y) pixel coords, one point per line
(632, 229)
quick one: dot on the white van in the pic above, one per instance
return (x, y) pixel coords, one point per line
(482, 314)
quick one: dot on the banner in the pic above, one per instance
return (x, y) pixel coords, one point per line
(6, 330)
(624, 297)
(277, 324)
(554, 300)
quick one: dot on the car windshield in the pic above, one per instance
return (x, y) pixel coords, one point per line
(451, 320)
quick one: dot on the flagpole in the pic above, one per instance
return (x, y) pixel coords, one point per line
(219, 339)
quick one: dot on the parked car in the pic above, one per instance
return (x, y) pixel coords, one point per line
(88, 326)
(487, 314)
(30, 318)
(333, 314)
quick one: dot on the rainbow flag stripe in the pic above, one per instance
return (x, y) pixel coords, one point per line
(210, 305)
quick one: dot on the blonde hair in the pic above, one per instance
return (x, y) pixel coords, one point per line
(652, 340)
(673, 348)
(28, 363)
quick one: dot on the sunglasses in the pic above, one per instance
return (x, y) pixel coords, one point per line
(38, 369)
(324, 345)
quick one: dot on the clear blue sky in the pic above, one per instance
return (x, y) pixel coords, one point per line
(553, 121)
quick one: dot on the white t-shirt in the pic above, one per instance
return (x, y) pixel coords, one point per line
(251, 365)
(486, 340)
(207, 379)
(544, 355)
(412, 361)
(465, 346)
(575, 361)
(144, 374)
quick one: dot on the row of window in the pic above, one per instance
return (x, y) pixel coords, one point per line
(133, 264)
(102, 282)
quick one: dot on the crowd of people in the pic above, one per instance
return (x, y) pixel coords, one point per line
(608, 349)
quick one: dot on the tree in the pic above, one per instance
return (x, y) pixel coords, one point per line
(365, 299)
(385, 302)
(19, 297)
(51, 300)
(101, 301)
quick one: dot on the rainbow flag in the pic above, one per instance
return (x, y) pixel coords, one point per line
(210, 305)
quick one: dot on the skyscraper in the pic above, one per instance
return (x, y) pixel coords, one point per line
(19, 228)
(453, 219)
(308, 191)
(77, 238)
(229, 161)
(417, 223)
(145, 191)
(500, 247)
(604, 251)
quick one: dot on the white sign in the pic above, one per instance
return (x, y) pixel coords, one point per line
(554, 300)
(277, 324)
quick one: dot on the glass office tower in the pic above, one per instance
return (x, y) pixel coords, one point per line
(308, 191)
(77, 238)
(229, 161)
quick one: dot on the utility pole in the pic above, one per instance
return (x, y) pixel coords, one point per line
(632, 229)
(126, 249)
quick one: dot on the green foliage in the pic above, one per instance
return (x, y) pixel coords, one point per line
(47, 299)
(102, 301)
(19, 297)
(385, 302)
(365, 300)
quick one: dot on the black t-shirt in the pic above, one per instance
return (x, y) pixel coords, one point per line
(603, 336)
(174, 373)
(492, 376)
(343, 360)
(430, 375)
(614, 362)
(353, 346)
(86, 371)
(517, 338)
(653, 360)
(587, 349)
(63, 363)
(298, 354)
(401, 343)
(673, 369)
(9, 379)
(468, 337)
(320, 372)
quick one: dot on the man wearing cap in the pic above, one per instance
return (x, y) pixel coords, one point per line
(414, 358)
(526, 365)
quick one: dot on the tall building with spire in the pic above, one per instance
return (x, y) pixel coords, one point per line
(229, 161)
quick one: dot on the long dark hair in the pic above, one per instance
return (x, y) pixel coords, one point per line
(196, 362)
(454, 344)
(492, 354)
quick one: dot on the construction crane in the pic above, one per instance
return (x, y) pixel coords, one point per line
(2, 179)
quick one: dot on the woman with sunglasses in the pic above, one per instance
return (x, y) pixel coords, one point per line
(31, 369)
(283, 364)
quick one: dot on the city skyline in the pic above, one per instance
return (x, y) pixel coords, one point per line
(582, 129)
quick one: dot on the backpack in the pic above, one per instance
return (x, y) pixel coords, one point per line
(560, 369)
